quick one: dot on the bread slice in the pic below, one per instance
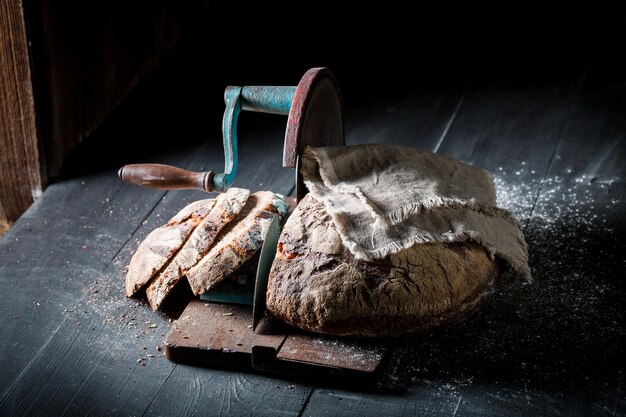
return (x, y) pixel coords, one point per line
(238, 242)
(225, 209)
(162, 243)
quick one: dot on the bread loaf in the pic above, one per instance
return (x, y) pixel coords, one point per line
(316, 284)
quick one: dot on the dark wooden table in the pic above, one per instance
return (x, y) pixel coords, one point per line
(72, 344)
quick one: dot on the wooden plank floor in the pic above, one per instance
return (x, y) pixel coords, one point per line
(72, 344)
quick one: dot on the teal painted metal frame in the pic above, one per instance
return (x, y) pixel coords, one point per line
(265, 99)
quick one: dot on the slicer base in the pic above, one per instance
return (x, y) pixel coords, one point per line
(221, 335)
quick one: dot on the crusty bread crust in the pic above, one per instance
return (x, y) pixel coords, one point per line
(316, 284)
(162, 243)
(227, 207)
(237, 243)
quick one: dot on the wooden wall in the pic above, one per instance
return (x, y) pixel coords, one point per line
(20, 176)
(64, 67)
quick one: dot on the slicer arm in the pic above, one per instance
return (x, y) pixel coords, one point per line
(314, 111)
(222, 182)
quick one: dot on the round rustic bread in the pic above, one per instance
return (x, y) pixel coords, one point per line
(316, 284)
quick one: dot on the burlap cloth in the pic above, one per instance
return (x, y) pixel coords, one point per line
(385, 198)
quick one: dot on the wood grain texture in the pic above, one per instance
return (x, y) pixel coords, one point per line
(579, 214)
(132, 394)
(192, 391)
(73, 269)
(88, 220)
(418, 117)
(436, 398)
(4, 223)
(116, 330)
(84, 60)
(516, 127)
(492, 401)
(19, 159)
(431, 400)
(597, 129)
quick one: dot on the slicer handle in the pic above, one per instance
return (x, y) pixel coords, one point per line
(166, 177)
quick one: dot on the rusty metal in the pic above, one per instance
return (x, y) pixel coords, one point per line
(317, 356)
(265, 359)
(316, 115)
(219, 335)
(215, 334)
(358, 356)
(315, 119)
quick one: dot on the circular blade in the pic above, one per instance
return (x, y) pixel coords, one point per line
(315, 118)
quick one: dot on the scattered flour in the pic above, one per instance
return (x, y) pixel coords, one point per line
(566, 330)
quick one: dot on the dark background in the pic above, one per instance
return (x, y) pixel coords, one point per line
(395, 45)
(390, 49)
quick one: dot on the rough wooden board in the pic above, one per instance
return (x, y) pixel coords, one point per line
(127, 365)
(221, 336)
(597, 129)
(65, 271)
(196, 391)
(112, 211)
(500, 126)
(115, 309)
(4, 223)
(418, 117)
(60, 260)
(135, 392)
(20, 168)
(578, 221)
(440, 398)
(491, 401)
(431, 400)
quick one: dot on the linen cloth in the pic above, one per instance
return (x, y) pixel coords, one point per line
(385, 198)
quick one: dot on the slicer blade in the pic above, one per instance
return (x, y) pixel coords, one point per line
(266, 257)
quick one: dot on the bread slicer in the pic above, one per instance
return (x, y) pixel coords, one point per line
(224, 331)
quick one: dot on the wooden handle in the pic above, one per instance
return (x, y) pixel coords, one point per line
(166, 177)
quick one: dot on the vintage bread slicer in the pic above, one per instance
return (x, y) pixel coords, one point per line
(221, 329)
(315, 118)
